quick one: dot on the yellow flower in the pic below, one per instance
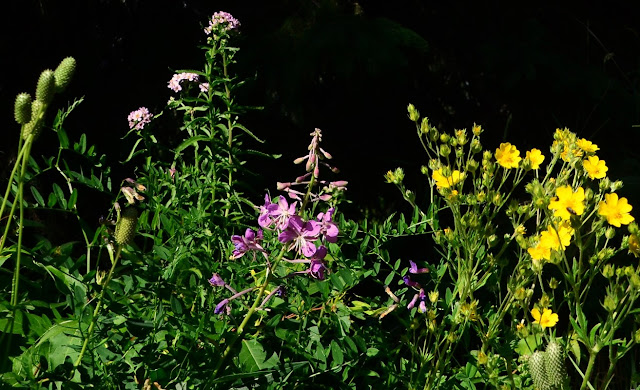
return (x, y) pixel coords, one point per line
(446, 181)
(567, 202)
(587, 146)
(547, 319)
(476, 130)
(540, 252)
(615, 210)
(535, 157)
(634, 245)
(508, 156)
(557, 239)
(596, 168)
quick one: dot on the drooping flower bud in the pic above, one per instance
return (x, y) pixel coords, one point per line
(46, 86)
(126, 226)
(414, 115)
(22, 108)
(64, 73)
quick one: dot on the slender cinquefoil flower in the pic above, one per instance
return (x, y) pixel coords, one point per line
(567, 202)
(546, 319)
(595, 168)
(615, 210)
(535, 158)
(508, 156)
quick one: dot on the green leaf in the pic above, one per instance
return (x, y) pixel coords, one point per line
(252, 357)
(63, 138)
(59, 195)
(337, 356)
(73, 198)
(37, 196)
(190, 142)
(133, 152)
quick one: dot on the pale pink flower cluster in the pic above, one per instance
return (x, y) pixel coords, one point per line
(222, 19)
(204, 87)
(174, 83)
(139, 118)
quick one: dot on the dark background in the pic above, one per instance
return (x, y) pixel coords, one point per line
(348, 68)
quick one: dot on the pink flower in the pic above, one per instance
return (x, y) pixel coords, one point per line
(302, 233)
(174, 83)
(139, 118)
(204, 87)
(222, 20)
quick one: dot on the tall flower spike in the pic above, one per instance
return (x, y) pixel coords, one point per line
(46, 86)
(22, 108)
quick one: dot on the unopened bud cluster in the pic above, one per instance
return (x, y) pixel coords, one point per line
(30, 113)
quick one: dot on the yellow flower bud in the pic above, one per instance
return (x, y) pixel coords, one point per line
(414, 115)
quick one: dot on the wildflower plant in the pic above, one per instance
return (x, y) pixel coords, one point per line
(516, 272)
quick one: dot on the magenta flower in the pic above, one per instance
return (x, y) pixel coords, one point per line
(415, 270)
(246, 243)
(265, 220)
(409, 282)
(422, 297)
(216, 281)
(222, 20)
(316, 264)
(221, 306)
(283, 212)
(174, 83)
(139, 118)
(328, 228)
(302, 234)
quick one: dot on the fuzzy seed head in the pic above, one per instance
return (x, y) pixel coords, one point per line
(46, 86)
(33, 127)
(64, 73)
(22, 108)
(537, 368)
(126, 226)
(556, 371)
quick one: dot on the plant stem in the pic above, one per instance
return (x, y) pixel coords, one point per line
(590, 365)
(96, 311)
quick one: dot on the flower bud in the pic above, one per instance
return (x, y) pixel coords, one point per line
(433, 296)
(414, 115)
(610, 233)
(424, 126)
(126, 226)
(476, 130)
(616, 185)
(22, 108)
(588, 195)
(444, 150)
(608, 271)
(64, 73)
(444, 138)
(46, 86)
(475, 146)
(553, 283)
(434, 134)
(610, 303)
(633, 228)
(604, 184)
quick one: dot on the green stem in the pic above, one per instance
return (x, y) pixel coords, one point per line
(590, 365)
(96, 311)
(247, 316)
(229, 125)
